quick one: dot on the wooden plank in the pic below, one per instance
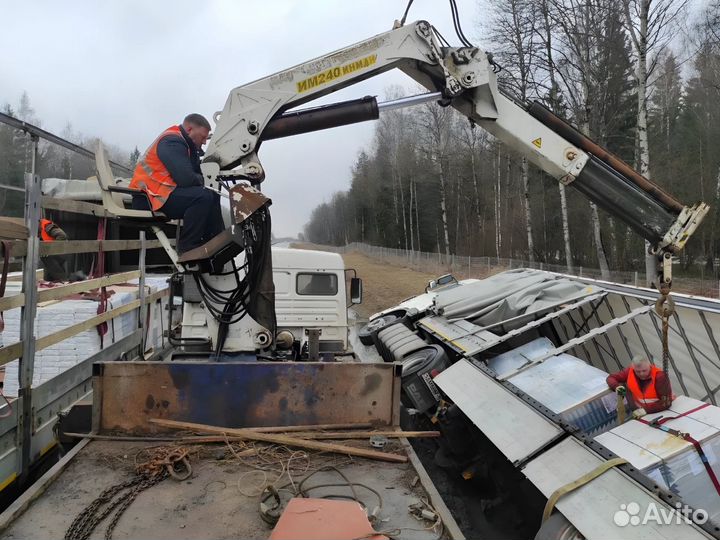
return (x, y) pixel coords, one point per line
(10, 352)
(76, 207)
(207, 439)
(91, 246)
(62, 291)
(61, 335)
(22, 503)
(288, 429)
(14, 350)
(19, 248)
(10, 302)
(56, 337)
(13, 228)
(368, 434)
(283, 439)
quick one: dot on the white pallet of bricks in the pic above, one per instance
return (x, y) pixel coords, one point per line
(54, 316)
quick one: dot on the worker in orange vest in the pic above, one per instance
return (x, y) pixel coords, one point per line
(647, 386)
(54, 266)
(169, 174)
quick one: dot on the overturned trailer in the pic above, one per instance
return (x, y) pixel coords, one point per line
(520, 384)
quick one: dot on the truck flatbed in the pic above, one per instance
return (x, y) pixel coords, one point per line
(221, 499)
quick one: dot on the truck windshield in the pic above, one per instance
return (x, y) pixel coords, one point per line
(317, 284)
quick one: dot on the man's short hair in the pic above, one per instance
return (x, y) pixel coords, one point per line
(640, 360)
(197, 120)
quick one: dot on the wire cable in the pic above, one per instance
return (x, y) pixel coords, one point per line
(456, 23)
(407, 9)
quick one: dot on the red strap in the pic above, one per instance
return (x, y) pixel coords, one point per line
(6, 246)
(661, 421)
(705, 462)
(99, 271)
(686, 436)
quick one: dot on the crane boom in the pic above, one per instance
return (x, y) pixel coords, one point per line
(465, 77)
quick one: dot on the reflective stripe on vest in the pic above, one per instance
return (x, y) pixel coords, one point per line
(650, 394)
(151, 175)
(45, 224)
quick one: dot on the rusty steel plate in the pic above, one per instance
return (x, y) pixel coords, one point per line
(245, 201)
(250, 394)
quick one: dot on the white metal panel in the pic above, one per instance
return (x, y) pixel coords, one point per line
(513, 426)
(641, 458)
(592, 507)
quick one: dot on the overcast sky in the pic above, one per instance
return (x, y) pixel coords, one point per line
(126, 70)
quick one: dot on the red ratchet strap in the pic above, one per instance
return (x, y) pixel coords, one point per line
(6, 246)
(661, 420)
(99, 271)
(657, 424)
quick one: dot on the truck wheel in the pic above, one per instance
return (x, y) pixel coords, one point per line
(366, 333)
(557, 527)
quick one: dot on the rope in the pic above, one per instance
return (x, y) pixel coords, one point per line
(572, 486)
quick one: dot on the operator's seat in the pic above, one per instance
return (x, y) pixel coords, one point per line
(113, 189)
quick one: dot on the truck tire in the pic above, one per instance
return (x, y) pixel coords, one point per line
(557, 527)
(366, 332)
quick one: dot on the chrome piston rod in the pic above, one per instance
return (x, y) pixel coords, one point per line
(337, 114)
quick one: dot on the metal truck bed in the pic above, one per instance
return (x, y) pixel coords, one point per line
(210, 504)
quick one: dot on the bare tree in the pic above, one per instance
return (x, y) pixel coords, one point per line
(435, 125)
(513, 29)
(585, 33)
(649, 24)
(553, 98)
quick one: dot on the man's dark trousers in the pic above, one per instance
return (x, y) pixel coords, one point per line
(199, 208)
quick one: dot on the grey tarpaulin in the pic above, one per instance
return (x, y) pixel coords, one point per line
(507, 295)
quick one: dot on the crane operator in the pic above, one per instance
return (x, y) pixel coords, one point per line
(169, 174)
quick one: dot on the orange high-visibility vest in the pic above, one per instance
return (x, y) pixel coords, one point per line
(45, 224)
(151, 175)
(650, 395)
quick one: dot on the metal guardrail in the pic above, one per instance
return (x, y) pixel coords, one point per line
(470, 267)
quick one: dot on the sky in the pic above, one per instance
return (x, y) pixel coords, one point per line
(126, 70)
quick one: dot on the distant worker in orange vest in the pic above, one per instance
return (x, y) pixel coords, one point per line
(169, 174)
(647, 386)
(54, 266)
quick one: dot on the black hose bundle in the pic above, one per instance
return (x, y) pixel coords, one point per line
(254, 292)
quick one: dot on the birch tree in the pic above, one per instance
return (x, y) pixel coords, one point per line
(513, 30)
(553, 98)
(649, 24)
(435, 124)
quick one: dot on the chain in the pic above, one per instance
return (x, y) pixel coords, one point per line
(119, 497)
(86, 521)
(146, 483)
(665, 308)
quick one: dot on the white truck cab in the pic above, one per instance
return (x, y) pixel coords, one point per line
(310, 296)
(310, 293)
